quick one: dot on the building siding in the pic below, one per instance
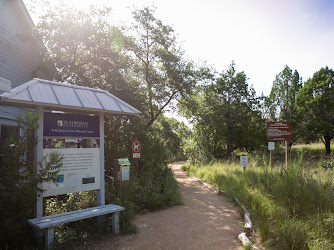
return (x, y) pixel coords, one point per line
(19, 54)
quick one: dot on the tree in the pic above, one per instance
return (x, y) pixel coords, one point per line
(174, 134)
(315, 101)
(88, 51)
(226, 116)
(281, 101)
(159, 66)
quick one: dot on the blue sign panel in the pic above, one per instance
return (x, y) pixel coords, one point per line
(68, 125)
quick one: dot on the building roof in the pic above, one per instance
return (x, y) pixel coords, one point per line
(60, 96)
(25, 13)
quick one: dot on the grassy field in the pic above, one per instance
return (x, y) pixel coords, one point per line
(291, 208)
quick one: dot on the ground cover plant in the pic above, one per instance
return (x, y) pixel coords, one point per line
(292, 208)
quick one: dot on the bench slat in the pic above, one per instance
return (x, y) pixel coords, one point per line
(57, 219)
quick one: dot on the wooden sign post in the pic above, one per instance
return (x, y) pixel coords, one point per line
(136, 149)
(136, 152)
(271, 148)
(286, 153)
(243, 161)
(280, 131)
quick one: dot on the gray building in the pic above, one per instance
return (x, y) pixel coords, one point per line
(20, 57)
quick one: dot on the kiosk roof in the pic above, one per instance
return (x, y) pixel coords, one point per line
(57, 95)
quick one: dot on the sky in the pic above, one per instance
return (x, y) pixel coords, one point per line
(261, 36)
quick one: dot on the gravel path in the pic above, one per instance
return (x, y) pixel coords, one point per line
(205, 221)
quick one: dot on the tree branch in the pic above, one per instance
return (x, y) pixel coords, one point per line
(161, 109)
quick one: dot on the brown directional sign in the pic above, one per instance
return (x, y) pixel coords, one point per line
(278, 131)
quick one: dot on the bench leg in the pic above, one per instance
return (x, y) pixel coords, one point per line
(115, 222)
(38, 234)
(49, 237)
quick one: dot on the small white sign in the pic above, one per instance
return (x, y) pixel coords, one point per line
(243, 161)
(136, 155)
(271, 145)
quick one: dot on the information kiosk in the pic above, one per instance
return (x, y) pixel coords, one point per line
(76, 132)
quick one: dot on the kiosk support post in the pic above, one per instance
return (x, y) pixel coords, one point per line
(101, 191)
(38, 158)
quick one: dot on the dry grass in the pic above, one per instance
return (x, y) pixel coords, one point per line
(293, 208)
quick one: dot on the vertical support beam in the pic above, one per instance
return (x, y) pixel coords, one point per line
(271, 159)
(38, 158)
(286, 154)
(115, 222)
(49, 237)
(101, 191)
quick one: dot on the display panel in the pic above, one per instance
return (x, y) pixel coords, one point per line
(76, 139)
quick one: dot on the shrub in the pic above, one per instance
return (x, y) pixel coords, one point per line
(18, 184)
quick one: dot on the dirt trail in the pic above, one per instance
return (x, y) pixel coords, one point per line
(205, 221)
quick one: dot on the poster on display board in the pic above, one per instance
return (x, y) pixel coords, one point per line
(80, 171)
(76, 139)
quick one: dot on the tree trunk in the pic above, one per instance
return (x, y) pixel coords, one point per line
(328, 144)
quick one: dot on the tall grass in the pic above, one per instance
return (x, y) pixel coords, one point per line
(292, 208)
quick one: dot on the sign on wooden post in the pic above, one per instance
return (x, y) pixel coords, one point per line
(271, 148)
(136, 149)
(243, 161)
(280, 131)
(271, 145)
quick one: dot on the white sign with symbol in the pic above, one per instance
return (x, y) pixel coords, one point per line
(271, 145)
(243, 161)
(136, 148)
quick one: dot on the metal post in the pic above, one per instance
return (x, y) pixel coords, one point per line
(38, 158)
(49, 237)
(38, 155)
(101, 191)
(115, 222)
